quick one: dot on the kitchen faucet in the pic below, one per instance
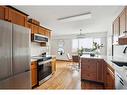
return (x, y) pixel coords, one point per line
(124, 51)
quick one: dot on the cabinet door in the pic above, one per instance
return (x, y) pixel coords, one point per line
(110, 79)
(17, 18)
(41, 31)
(47, 33)
(122, 22)
(116, 29)
(53, 65)
(100, 71)
(87, 70)
(2, 12)
(34, 29)
(34, 73)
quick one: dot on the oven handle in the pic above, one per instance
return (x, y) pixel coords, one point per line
(121, 83)
(120, 77)
(44, 62)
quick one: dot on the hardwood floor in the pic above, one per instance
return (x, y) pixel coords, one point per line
(66, 78)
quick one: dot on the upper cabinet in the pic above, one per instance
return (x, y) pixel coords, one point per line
(34, 29)
(13, 15)
(41, 30)
(120, 28)
(122, 22)
(17, 17)
(4, 13)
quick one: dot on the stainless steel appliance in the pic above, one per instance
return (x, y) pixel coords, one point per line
(120, 82)
(39, 38)
(14, 56)
(44, 68)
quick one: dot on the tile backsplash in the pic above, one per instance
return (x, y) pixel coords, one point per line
(36, 49)
(118, 51)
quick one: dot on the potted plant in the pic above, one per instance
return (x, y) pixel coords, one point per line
(96, 48)
(80, 51)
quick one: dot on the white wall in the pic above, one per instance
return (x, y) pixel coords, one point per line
(68, 44)
(118, 51)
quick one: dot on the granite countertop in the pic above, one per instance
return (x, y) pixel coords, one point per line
(108, 60)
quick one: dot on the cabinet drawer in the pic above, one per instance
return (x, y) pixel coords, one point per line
(89, 76)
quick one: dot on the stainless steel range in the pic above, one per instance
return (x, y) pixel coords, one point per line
(44, 68)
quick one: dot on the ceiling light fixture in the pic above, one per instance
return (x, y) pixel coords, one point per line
(81, 35)
(76, 17)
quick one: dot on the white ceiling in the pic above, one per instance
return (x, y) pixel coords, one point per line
(102, 17)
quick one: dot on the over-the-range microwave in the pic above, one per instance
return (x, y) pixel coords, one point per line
(39, 38)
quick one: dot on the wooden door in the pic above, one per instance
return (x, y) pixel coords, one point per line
(34, 73)
(122, 22)
(110, 80)
(116, 29)
(41, 30)
(53, 65)
(88, 69)
(34, 29)
(17, 18)
(2, 12)
(28, 25)
(100, 70)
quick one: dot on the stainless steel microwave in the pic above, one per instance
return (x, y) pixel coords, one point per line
(39, 38)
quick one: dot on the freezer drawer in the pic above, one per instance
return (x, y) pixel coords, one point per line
(19, 81)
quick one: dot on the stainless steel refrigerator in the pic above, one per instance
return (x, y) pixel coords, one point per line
(14, 56)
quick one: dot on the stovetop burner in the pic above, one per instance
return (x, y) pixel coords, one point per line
(42, 58)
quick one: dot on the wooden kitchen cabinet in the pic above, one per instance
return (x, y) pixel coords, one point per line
(122, 21)
(28, 25)
(109, 78)
(34, 29)
(34, 73)
(100, 70)
(17, 17)
(41, 30)
(120, 28)
(92, 69)
(53, 64)
(4, 13)
(48, 33)
(13, 15)
(116, 30)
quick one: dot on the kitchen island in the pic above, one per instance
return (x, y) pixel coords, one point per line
(101, 69)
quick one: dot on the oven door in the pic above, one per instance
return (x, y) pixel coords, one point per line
(119, 82)
(44, 71)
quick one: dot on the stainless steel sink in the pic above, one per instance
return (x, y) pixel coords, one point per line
(119, 63)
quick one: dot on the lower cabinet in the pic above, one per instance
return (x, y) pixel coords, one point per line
(109, 78)
(53, 65)
(92, 69)
(34, 73)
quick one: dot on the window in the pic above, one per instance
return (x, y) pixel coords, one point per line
(84, 42)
